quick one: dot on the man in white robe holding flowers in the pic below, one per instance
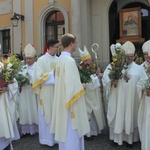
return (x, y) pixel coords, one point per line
(43, 85)
(92, 96)
(69, 119)
(144, 97)
(8, 111)
(123, 100)
(28, 108)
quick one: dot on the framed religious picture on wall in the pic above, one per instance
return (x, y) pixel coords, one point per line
(130, 24)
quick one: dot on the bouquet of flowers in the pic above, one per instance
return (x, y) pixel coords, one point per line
(147, 82)
(117, 65)
(22, 76)
(8, 69)
(85, 72)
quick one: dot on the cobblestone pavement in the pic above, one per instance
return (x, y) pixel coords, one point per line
(100, 142)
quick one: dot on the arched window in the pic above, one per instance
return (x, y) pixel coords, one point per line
(55, 26)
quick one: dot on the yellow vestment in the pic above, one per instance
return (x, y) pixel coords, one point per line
(68, 96)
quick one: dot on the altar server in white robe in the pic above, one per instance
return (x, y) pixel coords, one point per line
(44, 86)
(93, 98)
(69, 119)
(144, 109)
(28, 109)
(8, 126)
(123, 101)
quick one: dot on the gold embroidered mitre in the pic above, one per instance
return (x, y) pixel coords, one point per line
(30, 51)
(84, 54)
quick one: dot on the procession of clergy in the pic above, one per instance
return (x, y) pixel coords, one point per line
(63, 111)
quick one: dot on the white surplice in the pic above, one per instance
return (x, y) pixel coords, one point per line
(73, 141)
(8, 116)
(144, 122)
(45, 137)
(94, 106)
(43, 85)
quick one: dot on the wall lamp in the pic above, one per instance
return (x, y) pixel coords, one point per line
(16, 18)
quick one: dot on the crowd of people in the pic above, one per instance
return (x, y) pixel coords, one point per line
(55, 104)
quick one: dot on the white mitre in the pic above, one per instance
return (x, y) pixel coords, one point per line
(29, 51)
(84, 54)
(146, 47)
(112, 49)
(128, 47)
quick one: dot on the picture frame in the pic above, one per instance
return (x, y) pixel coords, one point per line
(130, 22)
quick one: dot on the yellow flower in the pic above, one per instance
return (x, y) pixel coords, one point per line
(114, 59)
(10, 68)
(6, 62)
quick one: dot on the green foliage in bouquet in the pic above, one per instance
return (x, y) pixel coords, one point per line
(14, 60)
(10, 68)
(22, 76)
(117, 65)
(147, 82)
(85, 72)
(138, 59)
(22, 80)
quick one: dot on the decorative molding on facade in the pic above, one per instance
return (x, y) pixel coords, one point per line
(5, 7)
(42, 19)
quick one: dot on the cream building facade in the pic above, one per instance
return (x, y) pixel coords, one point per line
(88, 20)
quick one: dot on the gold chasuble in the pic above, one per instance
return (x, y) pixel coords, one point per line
(68, 98)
